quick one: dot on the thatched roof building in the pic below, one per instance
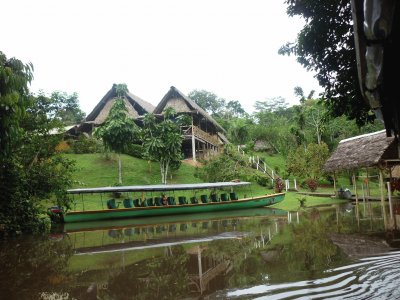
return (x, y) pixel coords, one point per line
(183, 104)
(368, 150)
(136, 106)
(204, 136)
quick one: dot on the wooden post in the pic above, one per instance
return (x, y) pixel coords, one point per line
(355, 192)
(367, 187)
(193, 146)
(355, 188)
(381, 186)
(390, 206)
(295, 184)
(334, 184)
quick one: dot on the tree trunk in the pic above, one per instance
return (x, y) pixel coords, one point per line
(163, 179)
(166, 171)
(119, 169)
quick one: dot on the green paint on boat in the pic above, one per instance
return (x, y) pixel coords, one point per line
(139, 212)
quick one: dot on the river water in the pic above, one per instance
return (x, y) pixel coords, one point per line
(249, 254)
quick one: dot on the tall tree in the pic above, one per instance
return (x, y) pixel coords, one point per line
(30, 169)
(162, 140)
(68, 110)
(119, 130)
(15, 77)
(326, 45)
(309, 162)
(207, 101)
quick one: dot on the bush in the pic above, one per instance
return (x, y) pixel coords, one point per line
(86, 145)
(135, 150)
(278, 185)
(312, 184)
(261, 179)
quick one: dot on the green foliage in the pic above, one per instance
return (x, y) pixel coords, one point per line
(14, 99)
(309, 162)
(118, 130)
(135, 150)
(30, 171)
(207, 101)
(224, 167)
(68, 110)
(85, 145)
(229, 166)
(162, 140)
(326, 45)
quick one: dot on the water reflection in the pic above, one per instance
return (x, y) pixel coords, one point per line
(253, 254)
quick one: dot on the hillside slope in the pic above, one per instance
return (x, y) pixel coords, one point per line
(94, 170)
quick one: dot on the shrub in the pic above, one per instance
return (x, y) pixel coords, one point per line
(312, 184)
(135, 150)
(278, 185)
(63, 147)
(86, 145)
(261, 179)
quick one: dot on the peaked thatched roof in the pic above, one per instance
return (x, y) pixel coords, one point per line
(362, 151)
(135, 105)
(181, 103)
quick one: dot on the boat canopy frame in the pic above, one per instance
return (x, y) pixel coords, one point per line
(159, 187)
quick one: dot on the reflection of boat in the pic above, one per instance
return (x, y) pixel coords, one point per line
(176, 219)
(149, 207)
(128, 234)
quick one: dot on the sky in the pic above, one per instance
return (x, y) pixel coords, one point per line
(228, 47)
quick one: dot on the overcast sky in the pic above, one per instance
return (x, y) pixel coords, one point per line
(227, 47)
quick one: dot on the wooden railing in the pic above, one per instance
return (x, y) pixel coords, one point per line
(200, 134)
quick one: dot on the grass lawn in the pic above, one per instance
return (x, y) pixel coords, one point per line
(94, 170)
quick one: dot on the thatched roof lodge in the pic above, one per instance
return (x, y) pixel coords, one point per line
(368, 150)
(136, 106)
(204, 136)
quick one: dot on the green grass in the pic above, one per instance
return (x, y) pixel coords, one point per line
(94, 170)
(292, 203)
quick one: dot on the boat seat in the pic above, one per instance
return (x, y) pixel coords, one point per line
(233, 196)
(182, 200)
(171, 200)
(224, 197)
(111, 204)
(193, 200)
(136, 203)
(214, 198)
(128, 203)
(149, 202)
(204, 198)
(157, 201)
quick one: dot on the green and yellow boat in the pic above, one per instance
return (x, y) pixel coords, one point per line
(139, 202)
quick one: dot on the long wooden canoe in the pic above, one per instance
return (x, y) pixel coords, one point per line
(151, 211)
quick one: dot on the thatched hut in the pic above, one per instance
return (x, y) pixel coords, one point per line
(204, 136)
(373, 150)
(136, 106)
(364, 151)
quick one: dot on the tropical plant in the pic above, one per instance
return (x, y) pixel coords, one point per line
(162, 140)
(119, 130)
(309, 162)
(326, 45)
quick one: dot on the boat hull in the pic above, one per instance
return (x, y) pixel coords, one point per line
(138, 212)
